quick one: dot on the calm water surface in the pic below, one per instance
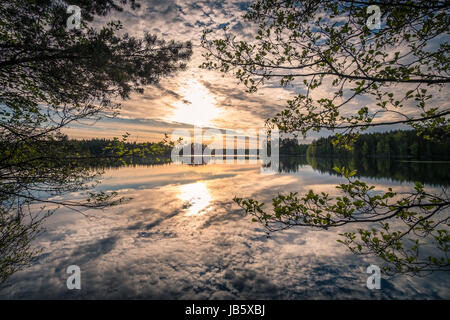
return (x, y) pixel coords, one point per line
(182, 237)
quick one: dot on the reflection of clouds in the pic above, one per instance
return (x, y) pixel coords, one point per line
(149, 248)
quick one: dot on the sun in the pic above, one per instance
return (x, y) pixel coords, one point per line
(197, 107)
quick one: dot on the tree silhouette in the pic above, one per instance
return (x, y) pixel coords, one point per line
(50, 77)
(398, 70)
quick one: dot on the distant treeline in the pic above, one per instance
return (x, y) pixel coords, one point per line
(392, 144)
(291, 147)
(104, 153)
(99, 147)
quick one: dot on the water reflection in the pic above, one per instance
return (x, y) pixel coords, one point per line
(182, 237)
(431, 173)
(196, 198)
(434, 173)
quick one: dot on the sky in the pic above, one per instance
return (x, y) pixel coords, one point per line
(209, 99)
(192, 97)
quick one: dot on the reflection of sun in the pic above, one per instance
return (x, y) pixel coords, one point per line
(198, 107)
(196, 198)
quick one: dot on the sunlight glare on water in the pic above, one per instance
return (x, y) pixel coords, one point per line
(196, 198)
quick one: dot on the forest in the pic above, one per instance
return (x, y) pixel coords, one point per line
(393, 144)
(404, 144)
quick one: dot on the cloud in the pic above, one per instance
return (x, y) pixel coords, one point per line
(234, 108)
(183, 21)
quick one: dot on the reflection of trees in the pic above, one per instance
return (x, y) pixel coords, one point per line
(291, 164)
(433, 173)
(109, 163)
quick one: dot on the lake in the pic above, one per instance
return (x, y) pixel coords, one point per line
(182, 237)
